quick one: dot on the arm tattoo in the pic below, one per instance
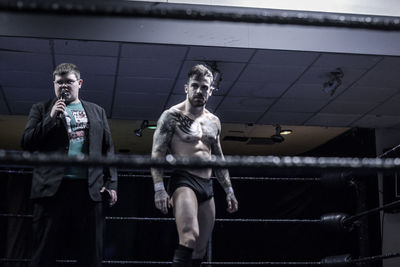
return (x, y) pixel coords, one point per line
(223, 177)
(221, 174)
(162, 137)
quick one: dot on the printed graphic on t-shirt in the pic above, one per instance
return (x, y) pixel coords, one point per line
(77, 125)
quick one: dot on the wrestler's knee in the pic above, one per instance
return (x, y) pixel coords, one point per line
(189, 236)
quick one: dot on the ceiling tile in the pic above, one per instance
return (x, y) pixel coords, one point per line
(307, 91)
(98, 89)
(259, 89)
(288, 118)
(198, 53)
(149, 68)
(26, 79)
(385, 74)
(334, 120)
(282, 58)
(98, 83)
(265, 73)
(388, 64)
(348, 107)
(320, 75)
(21, 100)
(13, 61)
(144, 85)
(99, 98)
(85, 48)
(153, 51)
(20, 44)
(179, 88)
(34, 95)
(334, 61)
(237, 116)
(246, 104)
(374, 121)
(367, 94)
(90, 64)
(297, 105)
(389, 108)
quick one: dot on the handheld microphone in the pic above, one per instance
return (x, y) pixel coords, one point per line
(63, 96)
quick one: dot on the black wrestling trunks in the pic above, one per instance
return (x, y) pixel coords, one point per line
(203, 188)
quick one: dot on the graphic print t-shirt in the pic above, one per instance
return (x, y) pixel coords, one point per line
(78, 128)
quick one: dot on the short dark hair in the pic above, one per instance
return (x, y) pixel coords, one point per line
(199, 71)
(65, 68)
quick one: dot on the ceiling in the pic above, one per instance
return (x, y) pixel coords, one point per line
(259, 88)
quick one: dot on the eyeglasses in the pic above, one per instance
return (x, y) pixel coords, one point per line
(68, 82)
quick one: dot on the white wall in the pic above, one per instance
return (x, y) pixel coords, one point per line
(387, 138)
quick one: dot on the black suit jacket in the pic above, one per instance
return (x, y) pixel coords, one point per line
(50, 136)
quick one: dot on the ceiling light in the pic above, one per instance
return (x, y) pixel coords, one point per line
(145, 124)
(286, 132)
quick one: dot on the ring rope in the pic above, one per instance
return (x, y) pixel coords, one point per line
(352, 261)
(155, 219)
(354, 218)
(169, 262)
(236, 177)
(348, 220)
(203, 12)
(333, 163)
(124, 175)
(376, 258)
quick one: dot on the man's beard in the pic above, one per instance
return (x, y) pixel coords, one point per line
(197, 101)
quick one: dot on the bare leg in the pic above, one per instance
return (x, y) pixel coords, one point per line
(206, 219)
(185, 211)
(184, 202)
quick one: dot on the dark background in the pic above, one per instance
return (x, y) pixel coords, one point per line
(231, 241)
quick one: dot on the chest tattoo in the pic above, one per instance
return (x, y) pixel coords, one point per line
(185, 124)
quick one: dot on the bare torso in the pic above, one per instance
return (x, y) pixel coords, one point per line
(193, 137)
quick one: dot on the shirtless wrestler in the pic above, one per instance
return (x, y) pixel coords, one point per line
(189, 130)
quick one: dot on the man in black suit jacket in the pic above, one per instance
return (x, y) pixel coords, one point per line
(69, 198)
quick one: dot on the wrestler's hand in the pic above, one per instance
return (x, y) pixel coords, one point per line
(233, 204)
(161, 200)
(111, 195)
(59, 107)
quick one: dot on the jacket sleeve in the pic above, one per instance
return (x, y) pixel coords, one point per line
(38, 128)
(110, 173)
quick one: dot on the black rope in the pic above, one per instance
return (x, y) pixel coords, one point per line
(353, 261)
(130, 175)
(154, 219)
(376, 258)
(262, 263)
(323, 163)
(121, 262)
(352, 219)
(204, 12)
(168, 262)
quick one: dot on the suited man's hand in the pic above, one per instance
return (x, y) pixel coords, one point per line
(112, 195)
